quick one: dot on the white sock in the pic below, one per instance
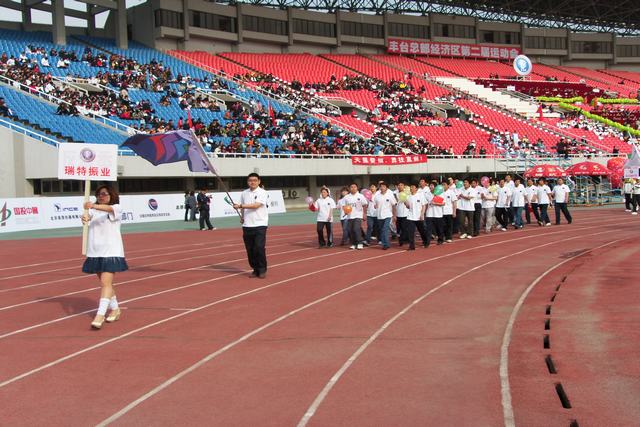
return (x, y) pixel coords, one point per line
(113, 305)
(102, 308)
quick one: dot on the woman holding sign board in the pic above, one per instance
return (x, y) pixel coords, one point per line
(105, 252)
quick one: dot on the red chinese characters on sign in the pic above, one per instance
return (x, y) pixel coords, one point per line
(456, 50)
(25, 211)
(388, 160)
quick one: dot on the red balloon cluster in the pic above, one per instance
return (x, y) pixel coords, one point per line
(616, 166)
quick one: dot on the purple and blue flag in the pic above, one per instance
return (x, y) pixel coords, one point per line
(171, 147)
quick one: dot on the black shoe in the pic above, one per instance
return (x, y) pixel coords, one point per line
(439, 243)
(384, 248)
(262, 275)
(330, 245)
(425, 246)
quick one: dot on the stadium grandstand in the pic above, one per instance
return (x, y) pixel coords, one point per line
(269, 81)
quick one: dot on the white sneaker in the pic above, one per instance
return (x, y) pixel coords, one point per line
(359, 247)
(379, 243)
(503, 229)
(469, 237)
(634, 213)
(464, 236)
(449, 241)
(548, 224)
(627, 210)
(352, 247)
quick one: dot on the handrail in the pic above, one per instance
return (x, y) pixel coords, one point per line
(68, 83)
(28, 132)
(84, 81)
(53, 99)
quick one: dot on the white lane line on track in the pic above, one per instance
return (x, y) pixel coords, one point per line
(310, 412)
(133, 251)
(164, 291)
(505, 387)
(245, 337)
(136, 268)
(202, 307)
(213, 245)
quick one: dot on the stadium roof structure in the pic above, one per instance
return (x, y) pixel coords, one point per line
(612, 16)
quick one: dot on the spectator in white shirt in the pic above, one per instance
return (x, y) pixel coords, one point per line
(384, 202)
(489, 197)
(61, 63)
(503, 205)
(518, 202)
(530, 191)
(325, 206)
(466, 209)
(561, 199)
(449, 211)
(358, 204)
(543, 192)
(44, 61)
(416, 205)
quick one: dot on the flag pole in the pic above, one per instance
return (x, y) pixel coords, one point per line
(213, 171)
(85, 227)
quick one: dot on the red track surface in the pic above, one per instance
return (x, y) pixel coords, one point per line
(450, 335)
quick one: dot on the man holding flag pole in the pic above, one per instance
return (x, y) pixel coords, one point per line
(181, 145)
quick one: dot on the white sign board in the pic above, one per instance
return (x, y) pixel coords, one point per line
(40, 213)
(93, 162)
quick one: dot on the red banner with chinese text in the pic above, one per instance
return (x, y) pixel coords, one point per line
(455, 50)
(388, 160)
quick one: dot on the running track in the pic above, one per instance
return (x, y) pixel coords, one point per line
(532, 327)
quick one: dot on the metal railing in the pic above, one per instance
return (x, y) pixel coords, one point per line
(261, 90)
(29, 132)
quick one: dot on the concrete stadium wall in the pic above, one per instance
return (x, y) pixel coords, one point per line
(24, 159)
(194, 38)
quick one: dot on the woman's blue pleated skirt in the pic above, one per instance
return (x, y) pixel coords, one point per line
(104, 265)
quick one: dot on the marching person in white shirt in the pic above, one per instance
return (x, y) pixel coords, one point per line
(503, 204)
(325, 206)
(373, 229)
(358, 204)
(344, 217)
(543, 192)
(636, 196)
(518, 202)
(384, 202)
(448, 211)
(561, 199)
(255, 220)
(508, 182)
(433, 215)
(489, 197)
(466, 209)
(530, 191)
(477, 205)
(401, 215)
(628, 194)
(416, 205)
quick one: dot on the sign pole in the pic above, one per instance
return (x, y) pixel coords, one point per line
(85, 227)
